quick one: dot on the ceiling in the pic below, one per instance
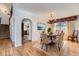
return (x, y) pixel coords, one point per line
(58, 8)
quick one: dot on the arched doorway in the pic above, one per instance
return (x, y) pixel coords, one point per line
(26, 30)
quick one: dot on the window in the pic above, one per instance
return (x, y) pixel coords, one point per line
(61, 26)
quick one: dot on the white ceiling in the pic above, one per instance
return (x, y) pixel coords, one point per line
(48, 7)
(60, 9)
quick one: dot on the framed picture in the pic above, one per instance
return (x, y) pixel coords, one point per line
(41, 26)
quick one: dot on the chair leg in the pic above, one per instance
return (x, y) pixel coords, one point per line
(46, 47)
(50, 46)
(42, 46)
(59, 47)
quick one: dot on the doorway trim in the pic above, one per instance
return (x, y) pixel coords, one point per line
(25, 19)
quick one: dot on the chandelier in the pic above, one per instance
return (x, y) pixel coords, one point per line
(51, 18)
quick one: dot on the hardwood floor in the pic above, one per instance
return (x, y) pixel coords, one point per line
(6, 49)
(34, 49)
(69, 49)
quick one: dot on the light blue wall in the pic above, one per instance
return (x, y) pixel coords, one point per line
(18, 16)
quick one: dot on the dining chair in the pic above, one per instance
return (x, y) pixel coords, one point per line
(45, 41)
(60, 41)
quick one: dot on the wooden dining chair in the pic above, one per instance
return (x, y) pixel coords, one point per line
(45, 41)
(60, 41)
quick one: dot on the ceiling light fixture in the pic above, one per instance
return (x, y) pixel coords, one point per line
(51, 18)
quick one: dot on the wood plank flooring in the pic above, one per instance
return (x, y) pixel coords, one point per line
(34, 49)
(6, 49)
(69, 49)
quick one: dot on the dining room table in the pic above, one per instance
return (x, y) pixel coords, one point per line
(52, 37)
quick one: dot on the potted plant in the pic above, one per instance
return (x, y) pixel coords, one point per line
(49, 30)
